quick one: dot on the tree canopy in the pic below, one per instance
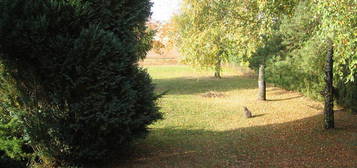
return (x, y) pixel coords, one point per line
(227, 29)
(290, 36)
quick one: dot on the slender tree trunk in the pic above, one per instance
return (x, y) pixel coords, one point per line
(218, 67)
(328, 109)
(261, 84)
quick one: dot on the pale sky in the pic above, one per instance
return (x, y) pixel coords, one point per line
(163, 10)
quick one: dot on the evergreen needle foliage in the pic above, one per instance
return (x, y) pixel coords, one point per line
(82, 93)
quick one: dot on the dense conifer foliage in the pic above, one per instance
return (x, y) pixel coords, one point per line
(81, 91)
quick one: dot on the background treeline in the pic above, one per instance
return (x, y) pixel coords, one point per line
(71, 91)
(288, 36)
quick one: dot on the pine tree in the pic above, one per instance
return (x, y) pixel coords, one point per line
(75, 65)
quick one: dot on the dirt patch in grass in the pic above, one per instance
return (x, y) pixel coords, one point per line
(159, 61)
(213, 94)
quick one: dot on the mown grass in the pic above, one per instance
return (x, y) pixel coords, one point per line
(203, 131)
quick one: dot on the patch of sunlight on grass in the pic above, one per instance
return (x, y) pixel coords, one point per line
(183, 71)
(185, 107)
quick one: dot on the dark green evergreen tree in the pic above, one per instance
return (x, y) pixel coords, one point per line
(75, 65)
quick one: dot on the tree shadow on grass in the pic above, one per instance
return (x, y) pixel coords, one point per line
(289, 98)
(183, 86)
(258, 115)
(300, 143)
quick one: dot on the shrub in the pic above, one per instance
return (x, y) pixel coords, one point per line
(12, 141)
(75, 65)
(295, 57)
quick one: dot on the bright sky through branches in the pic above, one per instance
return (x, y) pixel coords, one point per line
(163, 10)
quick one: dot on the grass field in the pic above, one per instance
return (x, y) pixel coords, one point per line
(204, 126)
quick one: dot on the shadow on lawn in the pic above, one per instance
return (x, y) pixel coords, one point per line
(289, 98)
(258, 115)
(182, 86)
(301, 143)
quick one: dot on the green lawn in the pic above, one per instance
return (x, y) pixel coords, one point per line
(208, 131)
